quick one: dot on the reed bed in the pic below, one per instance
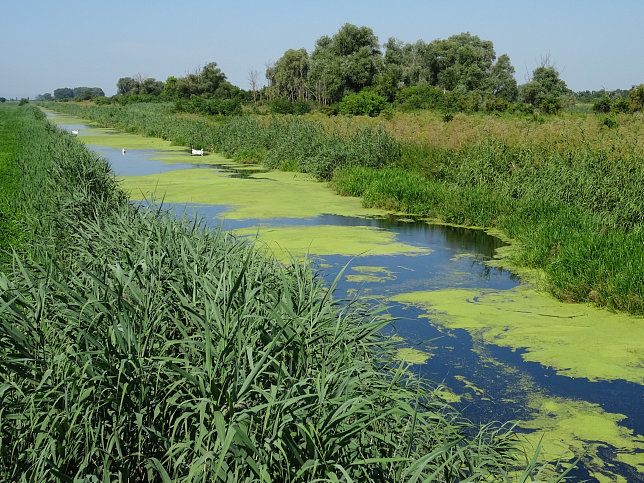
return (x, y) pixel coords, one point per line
(532, 177)
(138, 346)
(587, 256)
(9, 215)
(277, 142)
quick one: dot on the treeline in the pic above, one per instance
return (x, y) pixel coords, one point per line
(78, 93)
(593, 96)
(460, 73)
(352, 73)
(206, 90)
(631, 101)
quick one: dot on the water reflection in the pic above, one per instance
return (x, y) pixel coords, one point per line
(139, 162)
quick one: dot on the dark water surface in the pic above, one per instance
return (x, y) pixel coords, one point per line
(495, 381)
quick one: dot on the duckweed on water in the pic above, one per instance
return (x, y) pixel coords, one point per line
(571, 428)
(412, 356)
(323, 240)
(267, 195)
(575, 340)
(476, 390)
(114, 139)
(370, 274)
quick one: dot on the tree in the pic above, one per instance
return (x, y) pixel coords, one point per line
(462, 62)
(253, 77)
(208, 81)
(548, 77)
(170, 88)
(125, 85)
(86, 93)
(501, 81)
(63, 93)
(636, 98)
(546, 90)
(212, 81)
(44, 97)
(151, 86)
(344, 63)
(394, 73)
(289, 74)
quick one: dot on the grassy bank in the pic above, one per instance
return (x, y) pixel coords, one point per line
(134, 346)
(9, 185)
(567, 189)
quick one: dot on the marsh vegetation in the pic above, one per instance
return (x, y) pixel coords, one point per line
(139, 346)
(567, 190)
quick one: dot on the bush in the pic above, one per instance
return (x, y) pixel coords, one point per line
(448, 116)
(636, 97)
(281, 106)
(23, 101)
(551, 104)
(363, 103)
(421, 97)
(331, 110)
(602, 105)
(493, 103)
(301, 106)
(608, 121)
(197, 104)
(621, 105)
(102, 100)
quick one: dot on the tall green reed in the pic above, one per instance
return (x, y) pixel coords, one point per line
(138, 346)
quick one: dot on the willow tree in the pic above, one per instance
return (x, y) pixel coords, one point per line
(344, 63)
(546, 90)
(288, 75)
(461, 62)
(501, 81)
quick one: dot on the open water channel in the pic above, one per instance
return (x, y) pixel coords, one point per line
(570, 374)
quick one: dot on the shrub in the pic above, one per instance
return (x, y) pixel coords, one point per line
(363, 103)
(421, 97)
(636, 97)
(102, 100)
(494, 103)
(602, 105)
(608, 121)
(551, 104)
(301, 106)
(621, 105)
(448, 116)
(281, 106)
(198, 104)
(331, 110)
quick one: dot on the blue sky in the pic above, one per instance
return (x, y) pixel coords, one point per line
(49, 44)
